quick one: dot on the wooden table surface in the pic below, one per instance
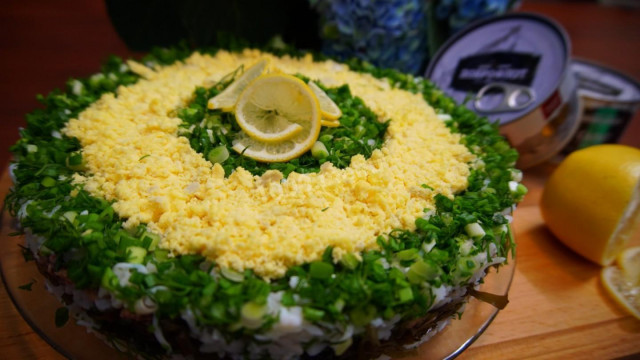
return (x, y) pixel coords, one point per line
(558, 308)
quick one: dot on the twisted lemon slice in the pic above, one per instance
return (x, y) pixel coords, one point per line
(329, 110)
(280, 118)
(227, 99)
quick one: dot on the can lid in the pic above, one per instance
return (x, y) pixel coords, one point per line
(509, 64)
(599, 82)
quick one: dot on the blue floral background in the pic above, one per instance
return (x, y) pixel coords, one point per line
(399, 34)
(458, 13)
(386, 33)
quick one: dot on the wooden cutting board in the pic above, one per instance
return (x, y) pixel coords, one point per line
(558, 309)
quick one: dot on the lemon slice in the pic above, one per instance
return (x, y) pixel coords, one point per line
(265, 123)
(591, 202)
(268, 109)
(623, 287)
(329, 123)
(629, 263)
(226, 100)
(328, 108)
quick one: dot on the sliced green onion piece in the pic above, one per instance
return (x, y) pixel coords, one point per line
(517, 189)
(218, 154)
(465, 267)
(109, 279)
(161, 254)
(408, 254)
(288, 299)
(516, 175)
(362, 316)
(48, 182)
(163, 296)
(388, 313)
(106, 214)
(326, 138)
(70, 215)
(95, 79)
(474, 230)
(150, 240)
(404, 295)
(150, 280)
(75, 161)
(320, 270)
(340, 348)
(521, 190)
(319, 151)
(421, 271)
(136, 254)
(349, 261)
(251, 314)
(126, 240)
(232, 275)
(209, 289)
(359, 131)
(312, 314)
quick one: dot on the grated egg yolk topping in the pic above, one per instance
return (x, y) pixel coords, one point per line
(265, 223)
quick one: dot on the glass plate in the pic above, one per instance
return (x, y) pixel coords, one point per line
(38, 308)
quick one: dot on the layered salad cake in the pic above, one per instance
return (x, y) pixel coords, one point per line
(248, 205)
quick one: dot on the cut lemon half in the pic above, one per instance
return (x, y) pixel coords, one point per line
(280, 119)
(624, 287)
(591, 202)
(328, 108)
(226, 100)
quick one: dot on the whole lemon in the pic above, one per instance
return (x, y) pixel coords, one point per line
(591, 201)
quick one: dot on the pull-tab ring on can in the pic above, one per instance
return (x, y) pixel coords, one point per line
(514, 98)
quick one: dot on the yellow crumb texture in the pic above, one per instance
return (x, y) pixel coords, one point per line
(135, 158)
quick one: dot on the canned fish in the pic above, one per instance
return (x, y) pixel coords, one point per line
(609, 99)
(515, 69)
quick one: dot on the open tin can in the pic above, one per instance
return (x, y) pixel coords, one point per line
(514, 69)
(609, 99)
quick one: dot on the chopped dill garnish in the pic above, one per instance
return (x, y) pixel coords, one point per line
(27, 286)
(62, 316)
(26, 253)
